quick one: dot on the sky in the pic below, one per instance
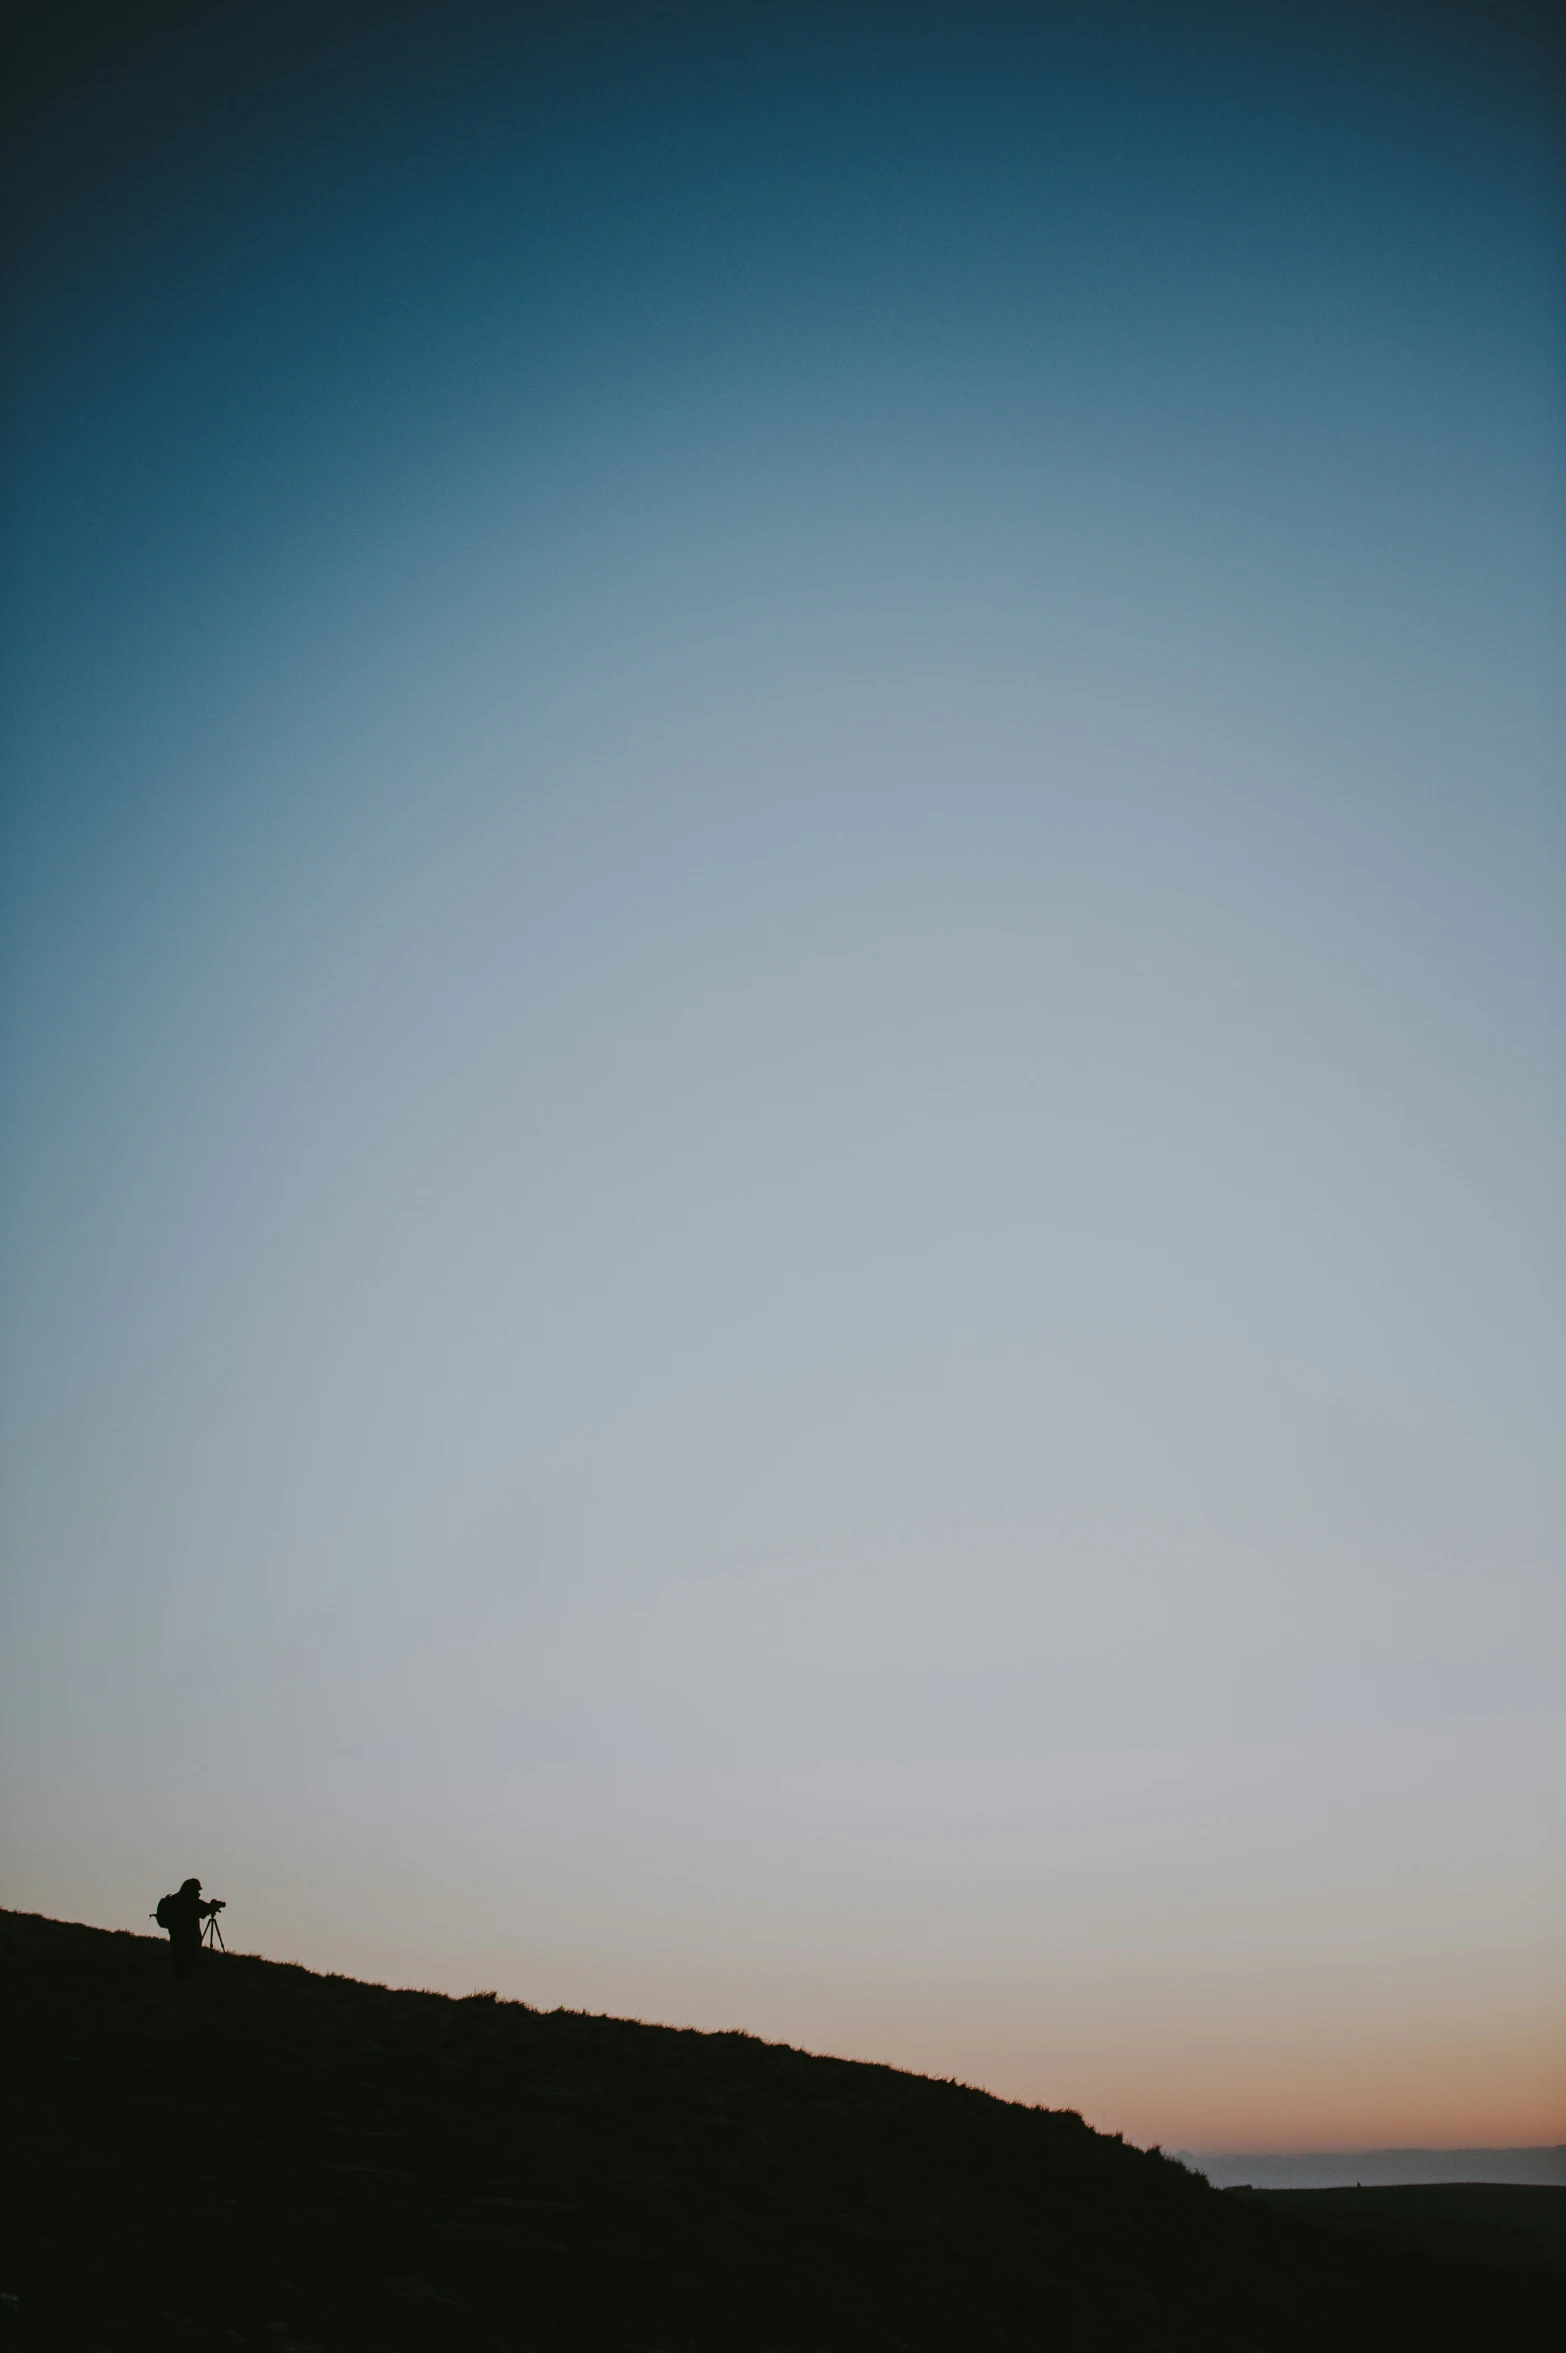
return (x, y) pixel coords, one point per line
(781, 999)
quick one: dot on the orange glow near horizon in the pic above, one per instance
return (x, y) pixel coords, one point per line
(1263, 2061)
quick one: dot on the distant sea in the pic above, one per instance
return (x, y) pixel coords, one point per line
(1331, 2169)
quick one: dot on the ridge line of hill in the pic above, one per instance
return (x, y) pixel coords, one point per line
(262, 2155)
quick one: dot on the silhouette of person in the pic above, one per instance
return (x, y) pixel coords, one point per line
(181, 1915)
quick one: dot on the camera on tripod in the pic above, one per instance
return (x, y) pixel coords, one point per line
(212, 1934)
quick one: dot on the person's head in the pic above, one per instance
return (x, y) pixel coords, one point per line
(191, 1887)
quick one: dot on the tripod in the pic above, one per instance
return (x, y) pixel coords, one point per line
(212, 1934)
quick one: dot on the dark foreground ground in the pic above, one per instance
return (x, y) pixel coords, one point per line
(1511, 2228)
(262, 2157)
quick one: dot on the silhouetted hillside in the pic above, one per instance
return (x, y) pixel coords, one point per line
(264, 2157)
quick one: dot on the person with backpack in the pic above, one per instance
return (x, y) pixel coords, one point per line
(180, 1916)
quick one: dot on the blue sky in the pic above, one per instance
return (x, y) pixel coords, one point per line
(783, 883)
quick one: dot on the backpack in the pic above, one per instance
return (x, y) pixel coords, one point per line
(164, 1915)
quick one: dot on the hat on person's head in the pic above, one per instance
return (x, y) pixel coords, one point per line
(188, 1884)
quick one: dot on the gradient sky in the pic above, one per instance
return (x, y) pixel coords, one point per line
(782, 1195)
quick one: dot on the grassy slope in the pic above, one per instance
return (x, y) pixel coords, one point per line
(267, 2157)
